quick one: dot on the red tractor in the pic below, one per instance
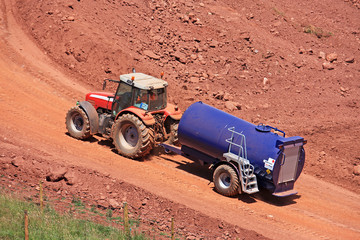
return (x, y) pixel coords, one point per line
(136, 117)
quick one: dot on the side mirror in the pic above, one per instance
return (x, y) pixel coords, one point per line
(104, 85)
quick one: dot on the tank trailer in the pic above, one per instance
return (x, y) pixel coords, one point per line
(243, 156)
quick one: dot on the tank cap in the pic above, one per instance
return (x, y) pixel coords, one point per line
(263, 128)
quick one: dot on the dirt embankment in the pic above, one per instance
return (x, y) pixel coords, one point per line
(265, 62)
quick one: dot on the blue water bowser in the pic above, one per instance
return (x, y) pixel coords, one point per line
(243, 156)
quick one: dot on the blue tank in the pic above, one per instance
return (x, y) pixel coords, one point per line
(277, 160)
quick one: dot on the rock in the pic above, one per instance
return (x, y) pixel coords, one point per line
(151, 54)
(191, 16)
(71, 18)
(343, 89)
(185, 87)
(356, 170)
(213, 44)
(328, 66)
(185, 18)
(219, 95)
(231, 106)
(227, 96)
(302, 50)
(331, 57)
(56, 175)
(179, 56)
(159, 39)
(5, 166)
(245, 35)
(114, 204)
(144, 202)
(299, 64)
(350, 60)
(194, 80)
(71, 178)
(322, 154)
(266, 81)
(221, 225)
(322, 55)
(17, 161)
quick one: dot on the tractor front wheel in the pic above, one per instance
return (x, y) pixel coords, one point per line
(131, 137)
(77, 123)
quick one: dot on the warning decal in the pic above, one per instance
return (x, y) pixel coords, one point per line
(269, 164)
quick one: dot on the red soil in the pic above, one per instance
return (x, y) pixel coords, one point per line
(255, 54)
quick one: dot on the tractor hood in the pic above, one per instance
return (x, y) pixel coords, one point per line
(100, 99)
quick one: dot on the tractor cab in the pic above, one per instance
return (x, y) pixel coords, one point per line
(140, 90)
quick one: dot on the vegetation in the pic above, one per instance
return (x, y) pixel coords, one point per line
(48, 224)
(319, 32)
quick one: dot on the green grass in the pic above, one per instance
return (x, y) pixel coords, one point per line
(278, 12)
(319, 32)
(49, 224)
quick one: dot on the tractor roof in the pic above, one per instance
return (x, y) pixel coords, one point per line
(143, 81)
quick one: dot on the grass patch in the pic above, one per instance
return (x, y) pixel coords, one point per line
(278, 12)
(49, 224)
(319, 32)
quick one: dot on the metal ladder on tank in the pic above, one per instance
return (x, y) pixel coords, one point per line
(246, 170)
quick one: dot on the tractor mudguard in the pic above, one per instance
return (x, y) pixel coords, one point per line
(172, 112)
(92, 115)
(147, 118)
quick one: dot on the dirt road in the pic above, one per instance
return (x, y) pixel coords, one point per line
(35, 95)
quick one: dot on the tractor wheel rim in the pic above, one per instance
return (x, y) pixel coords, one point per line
(224, 180)
(78, 122)
(131, 135)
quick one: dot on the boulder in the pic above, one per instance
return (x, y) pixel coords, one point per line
(356, 170)
(151, 54)
(328, 66)
(181, 57)
(331, 57)
(231, 106)
(114, 204)
(322, 55)
(350, 59)
(71, 178)
(56, 174)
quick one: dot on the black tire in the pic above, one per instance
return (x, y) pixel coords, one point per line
(226, 180)
(131, 137)
(173, 138)
(77, 123)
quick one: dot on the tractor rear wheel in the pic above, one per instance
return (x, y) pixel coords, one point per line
(77, 123)
(131, 137)
(226, 180)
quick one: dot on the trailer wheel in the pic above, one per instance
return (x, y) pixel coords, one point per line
(226, 180)
(131, 137)
(77, 123)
